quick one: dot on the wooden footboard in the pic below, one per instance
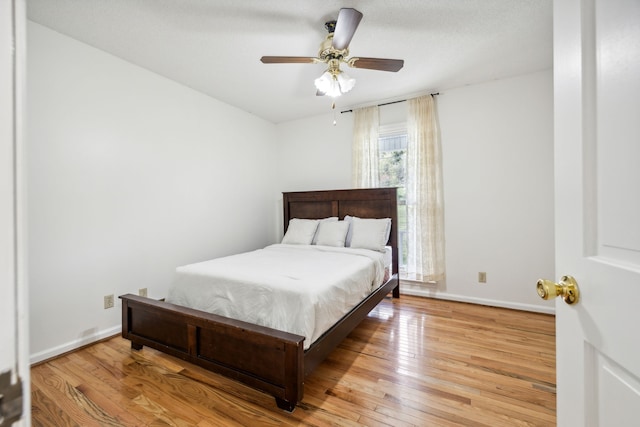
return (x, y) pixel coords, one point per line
(263, 358)
(266, 359)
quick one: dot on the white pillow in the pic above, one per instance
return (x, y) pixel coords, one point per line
(368, 233)
(300, 231)
(329, 219)
(349, 218)
(332, 233)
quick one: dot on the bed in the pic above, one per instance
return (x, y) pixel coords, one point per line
(267, 359)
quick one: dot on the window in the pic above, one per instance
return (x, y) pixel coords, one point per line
(392, 168)
(407, 156)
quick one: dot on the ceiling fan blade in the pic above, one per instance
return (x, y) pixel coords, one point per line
(346, 25)
(377, 64)
(288, 60)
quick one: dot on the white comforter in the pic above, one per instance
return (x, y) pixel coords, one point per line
(294, 288)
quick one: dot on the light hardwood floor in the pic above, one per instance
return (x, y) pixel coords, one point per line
(412, 362)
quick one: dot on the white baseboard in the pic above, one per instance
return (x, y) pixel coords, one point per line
(432, 292)
(73, 345)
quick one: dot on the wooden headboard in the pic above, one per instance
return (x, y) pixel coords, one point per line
(362, 202)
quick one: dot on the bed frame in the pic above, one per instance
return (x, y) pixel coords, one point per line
(266, 359)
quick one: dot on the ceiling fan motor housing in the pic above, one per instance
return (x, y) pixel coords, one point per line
(327, 52)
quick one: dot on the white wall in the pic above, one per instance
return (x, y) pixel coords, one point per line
(497, 144)
(129, 175)
(314, 154)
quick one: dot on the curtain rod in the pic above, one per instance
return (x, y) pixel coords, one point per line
(388, 103)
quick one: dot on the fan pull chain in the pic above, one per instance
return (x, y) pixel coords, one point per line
(333, 107)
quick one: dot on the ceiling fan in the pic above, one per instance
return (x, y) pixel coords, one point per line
(334, 50)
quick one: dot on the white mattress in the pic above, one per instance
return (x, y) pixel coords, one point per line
(293, 288)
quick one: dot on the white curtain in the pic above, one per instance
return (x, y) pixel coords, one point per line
(364, 171)
(425, 210)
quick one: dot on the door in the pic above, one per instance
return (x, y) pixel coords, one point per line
(597, 210)
(14, 366)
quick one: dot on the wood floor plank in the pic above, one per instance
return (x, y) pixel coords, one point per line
(45, 412)
(98, 392)
(412, 362)
(70, 400)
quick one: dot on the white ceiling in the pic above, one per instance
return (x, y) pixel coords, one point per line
(214, 46)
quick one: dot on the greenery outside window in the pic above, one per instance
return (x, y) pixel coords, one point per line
(392, 172)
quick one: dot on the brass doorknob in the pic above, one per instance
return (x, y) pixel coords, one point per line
(567, 289)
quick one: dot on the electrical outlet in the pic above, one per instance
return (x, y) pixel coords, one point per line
(108, 301)
(142, 292)
(482, 277)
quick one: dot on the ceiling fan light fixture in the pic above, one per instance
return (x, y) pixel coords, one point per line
(328, 84)
(346, 82)
(334, 83)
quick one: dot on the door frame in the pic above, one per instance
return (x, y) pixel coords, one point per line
(13, 199)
